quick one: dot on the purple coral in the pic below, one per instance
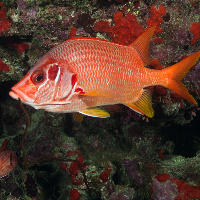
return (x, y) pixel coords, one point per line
(22, 4)
(27, 11)
(130, 115)
(193, 75)
(164, 190)
(132, 169)
(126, 195)
(118, 196)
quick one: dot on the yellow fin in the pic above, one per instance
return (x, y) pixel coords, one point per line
(143, 104)
(96, 112)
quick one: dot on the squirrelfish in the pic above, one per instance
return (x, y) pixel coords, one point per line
(82, 74)
(8, 160)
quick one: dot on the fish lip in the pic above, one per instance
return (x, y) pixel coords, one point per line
(18, 94)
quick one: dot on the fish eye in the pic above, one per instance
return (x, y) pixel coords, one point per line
(38, 77)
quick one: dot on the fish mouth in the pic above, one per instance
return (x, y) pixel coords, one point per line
(18, 94)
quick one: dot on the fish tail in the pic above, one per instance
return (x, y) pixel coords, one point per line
(174, 74)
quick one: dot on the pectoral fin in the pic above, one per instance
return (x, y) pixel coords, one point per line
(143, 105)
(96, 112)
(97, 93)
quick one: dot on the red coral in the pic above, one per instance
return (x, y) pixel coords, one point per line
(104, 176)
(4, 25)
(75, 180)
(4, 67)
(158, 40)
(156, 64)
(155, 18)
(72, 33)
(3, 12)
(74, 194)
(20, 47)
(186, 191)
(4, 21)
(162, 177)
(195, 29)
(126, 29)
(63, 166)
(101, 26)
(74, 168)
(160, 90)
(79, 158)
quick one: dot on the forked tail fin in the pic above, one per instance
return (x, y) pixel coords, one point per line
(176, 72)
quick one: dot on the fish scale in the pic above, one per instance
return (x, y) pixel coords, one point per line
(109, 57)
(82, 74)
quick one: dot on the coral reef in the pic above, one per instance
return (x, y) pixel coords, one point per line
(166, 187)
(127, 156)
(195, 29)
(4, 21)
(126, 28)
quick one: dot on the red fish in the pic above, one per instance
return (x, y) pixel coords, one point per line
(82, 74)
(8, 160)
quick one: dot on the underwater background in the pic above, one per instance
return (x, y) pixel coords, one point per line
(125, 157)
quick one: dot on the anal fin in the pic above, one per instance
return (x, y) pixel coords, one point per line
(95, 112)
(143, 104)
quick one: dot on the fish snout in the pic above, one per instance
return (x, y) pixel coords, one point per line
(18, 94)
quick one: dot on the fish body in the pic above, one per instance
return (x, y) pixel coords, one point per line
(8, 160)
(83, 73)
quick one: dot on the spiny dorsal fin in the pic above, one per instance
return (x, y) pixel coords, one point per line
(141, 45)
(143, 104)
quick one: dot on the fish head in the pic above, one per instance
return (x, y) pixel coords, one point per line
(8, 161)
(49, 82)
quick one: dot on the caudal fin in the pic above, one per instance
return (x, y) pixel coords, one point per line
(176, 72)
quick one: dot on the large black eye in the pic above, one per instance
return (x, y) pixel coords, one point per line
(38, 77)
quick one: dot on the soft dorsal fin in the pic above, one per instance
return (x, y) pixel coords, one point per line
(143, 104)
(141, 45)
